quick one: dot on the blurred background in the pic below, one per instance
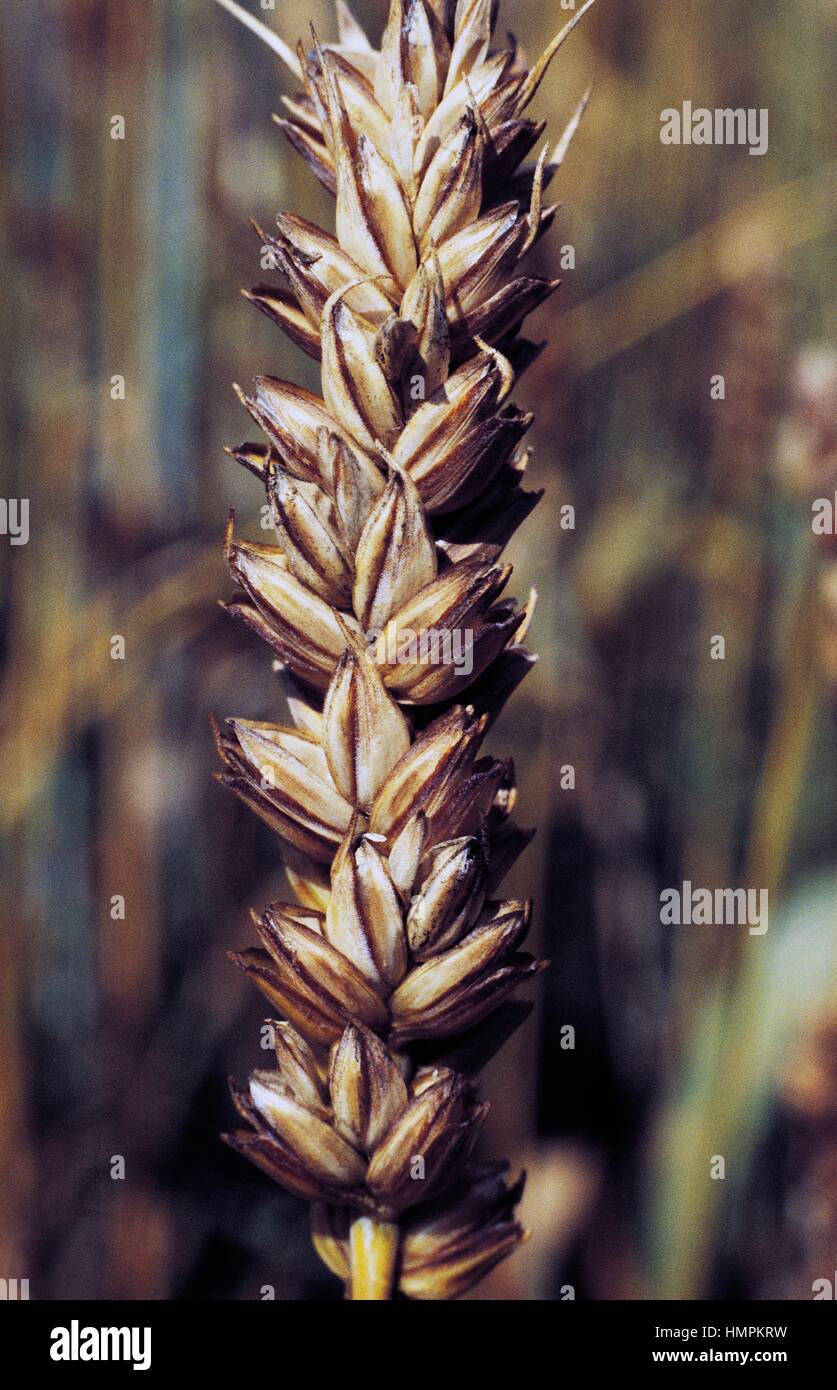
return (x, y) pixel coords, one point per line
(124, 258)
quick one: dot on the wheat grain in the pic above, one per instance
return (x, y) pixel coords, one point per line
(393, 497)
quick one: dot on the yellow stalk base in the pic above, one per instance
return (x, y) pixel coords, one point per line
(374, 1252)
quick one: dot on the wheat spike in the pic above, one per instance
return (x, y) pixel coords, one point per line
(393, 496)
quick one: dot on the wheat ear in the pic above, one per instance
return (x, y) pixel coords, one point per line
(393, 497)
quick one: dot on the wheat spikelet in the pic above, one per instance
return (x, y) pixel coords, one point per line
(393, 497)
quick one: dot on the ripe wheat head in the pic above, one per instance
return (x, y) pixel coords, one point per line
(393, 496)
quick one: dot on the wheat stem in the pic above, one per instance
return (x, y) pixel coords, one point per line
(374, 1255)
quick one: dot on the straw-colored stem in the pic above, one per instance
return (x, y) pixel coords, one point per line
(374, 1253)
(777, 800)
(724, 1068)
